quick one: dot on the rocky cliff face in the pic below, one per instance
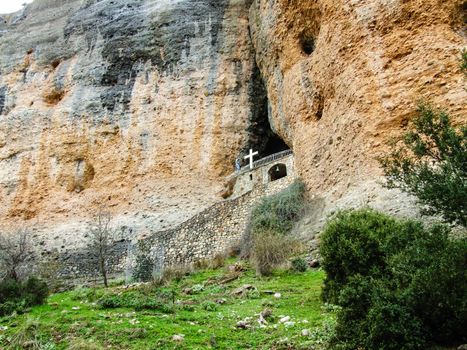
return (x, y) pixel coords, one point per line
(143, 105)
(344, 76)
(139, 106)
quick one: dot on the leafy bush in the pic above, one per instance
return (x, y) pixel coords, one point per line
(431, 164)
(299, 265)
(279, 212)
(17, 296)
(350, 246)
(209, 306)
(400, 285)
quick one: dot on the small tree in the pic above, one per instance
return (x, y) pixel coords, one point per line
(102, 237)
(15, 251)
(431, 164)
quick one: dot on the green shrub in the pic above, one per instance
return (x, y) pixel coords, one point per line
(430, 162)
(350, 246)
(18, 296)
(299, 265)
(400, 285)
(279, 212)
(9, 289)
(209, 306)
(36, 291)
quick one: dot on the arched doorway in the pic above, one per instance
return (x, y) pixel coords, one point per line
(278, 171)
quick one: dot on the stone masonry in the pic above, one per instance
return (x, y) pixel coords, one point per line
(204, 235)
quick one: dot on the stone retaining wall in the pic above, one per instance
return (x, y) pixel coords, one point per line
(212, 231)
(204, 235)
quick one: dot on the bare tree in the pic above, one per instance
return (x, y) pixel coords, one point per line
(15, 251)
(102, 237)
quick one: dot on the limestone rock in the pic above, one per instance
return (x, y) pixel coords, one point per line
(139, 106)
(178, 338)
(343, 77)
(142, 106)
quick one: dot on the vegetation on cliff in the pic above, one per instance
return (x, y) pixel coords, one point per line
(431, 164)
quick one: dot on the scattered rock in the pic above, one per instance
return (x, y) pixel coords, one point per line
(244, 324)
(305, 333)
(3, 328)
(462, 347)
(243, 290)
(187, 291)
(231, 277)
(237, 267)
(284, 319)
(261, 320)
(314, 263)
(266, 313)
(220, 301)
(289, 324)
(277, 295)
(75, 308)
(178, 337)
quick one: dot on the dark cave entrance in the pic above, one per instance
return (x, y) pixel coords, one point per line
(307, 44)
(261, 136)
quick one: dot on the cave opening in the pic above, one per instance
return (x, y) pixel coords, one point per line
(307, 43)
(261, 136)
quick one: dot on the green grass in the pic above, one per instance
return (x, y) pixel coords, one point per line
(204, 322)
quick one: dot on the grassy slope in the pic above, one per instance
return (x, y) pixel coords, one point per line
(90, 326)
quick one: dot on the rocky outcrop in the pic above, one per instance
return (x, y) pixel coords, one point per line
(142, 106)
(139, 106)
(345, 76)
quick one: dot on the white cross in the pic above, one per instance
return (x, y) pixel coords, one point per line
(250, 156)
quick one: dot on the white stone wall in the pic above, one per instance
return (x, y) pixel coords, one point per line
(247, 181)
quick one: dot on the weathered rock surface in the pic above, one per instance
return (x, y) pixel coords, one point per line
(345, 76)
(141, 106)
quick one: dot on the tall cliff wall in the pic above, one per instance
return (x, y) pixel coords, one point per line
(141, 106)
(345, 76)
